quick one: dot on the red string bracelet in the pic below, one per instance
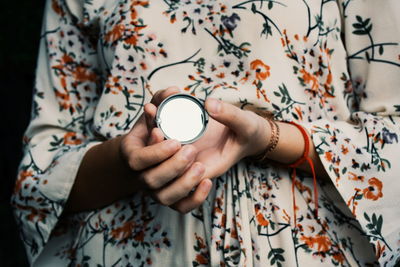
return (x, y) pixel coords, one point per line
(294, 165)
(301, 160)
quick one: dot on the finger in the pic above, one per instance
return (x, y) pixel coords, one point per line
(182, 186)
(159, 96)
(150, 111)
(156, 136)
(147, 156)
(157, 177)
(138, 135)
(194, 200)
(238, 120)
(139, 129)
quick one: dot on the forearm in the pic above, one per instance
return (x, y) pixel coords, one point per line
(102, 178)
(291, 147)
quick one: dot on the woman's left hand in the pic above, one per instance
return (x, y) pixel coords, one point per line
(232, 134)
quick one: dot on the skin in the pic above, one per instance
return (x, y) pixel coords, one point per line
(142, 161)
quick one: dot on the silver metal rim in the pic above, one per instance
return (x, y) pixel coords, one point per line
(199, 102)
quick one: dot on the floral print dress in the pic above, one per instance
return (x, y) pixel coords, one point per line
(331, 66)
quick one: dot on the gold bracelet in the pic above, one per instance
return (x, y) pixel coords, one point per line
(273, 142)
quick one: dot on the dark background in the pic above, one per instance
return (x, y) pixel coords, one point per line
(19, 38)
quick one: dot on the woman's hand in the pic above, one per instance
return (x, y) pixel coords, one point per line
(231, 135)
(162, 167)
(139, 161)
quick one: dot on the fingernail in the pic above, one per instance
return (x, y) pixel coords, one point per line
(214, 105)
(173, 144)
(187, 152)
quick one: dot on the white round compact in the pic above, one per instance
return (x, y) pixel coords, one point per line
(182, 117)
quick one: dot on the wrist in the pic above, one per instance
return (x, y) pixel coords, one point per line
(268, 139)
(117, 164)
(121, 162)
(291, 145)
(102, 178)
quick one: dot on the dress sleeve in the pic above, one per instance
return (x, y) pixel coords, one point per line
(59, 133)
(361, 155)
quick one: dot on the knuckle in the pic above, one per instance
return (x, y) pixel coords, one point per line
(181, 161)
(178, 165)
(149, 181)
(194, 149)
(178, 168)
(165, 202)
(251, 128)
(188, 155)
(160, 151)
(133, 163)
(157, 95)
(124, 144)
(197, 199)
(234, 116)
(156, 198)
(182, 210)
(160, 154)
(162, 199)
(251, 131)
(170, 90)
(187, 185)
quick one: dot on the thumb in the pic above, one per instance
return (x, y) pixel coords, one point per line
(238, 120)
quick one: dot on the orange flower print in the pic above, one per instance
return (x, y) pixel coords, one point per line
(34, 214)
(299, 112)
(262, 73)
(140, 3)
(338, 257)
(374, 190)
(201, 248)
(57, 8)
(328, 156)
(123, 232)
(261, 220)
(355, 177)
(134, 13)
(66, 59)
(329, 77)
(115, 34)
(22, 177)
(114, 82)
(379, 250)
(71, 139)
(139, 236)
(260, 217)
(322, 242)
(309, 78)
(262, 70)
(37, 215)
(132, 40)
(200, 241)
(64, 97)
(201, 259)
(82, 74)
(345, 150)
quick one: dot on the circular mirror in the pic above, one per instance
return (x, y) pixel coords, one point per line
(182, 117)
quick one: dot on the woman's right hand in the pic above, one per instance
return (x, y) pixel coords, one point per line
(165, 169)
